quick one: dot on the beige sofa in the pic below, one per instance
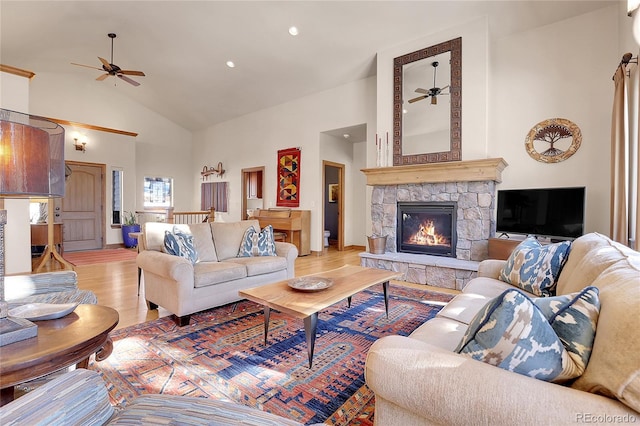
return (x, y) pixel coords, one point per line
(184, 288)
(419, 380)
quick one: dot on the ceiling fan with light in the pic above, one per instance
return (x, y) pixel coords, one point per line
(433, 92)
(112, 69)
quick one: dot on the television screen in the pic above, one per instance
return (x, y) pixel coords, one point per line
(548, 212)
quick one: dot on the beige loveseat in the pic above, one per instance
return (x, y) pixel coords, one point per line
(184, 288)
(419, 380)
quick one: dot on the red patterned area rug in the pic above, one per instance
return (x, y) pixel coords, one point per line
(222, 354)
(89, 257)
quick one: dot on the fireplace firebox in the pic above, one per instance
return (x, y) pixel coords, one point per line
(427, 228)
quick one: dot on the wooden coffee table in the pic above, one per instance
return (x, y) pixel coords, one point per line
(60, 343)
(347, 281)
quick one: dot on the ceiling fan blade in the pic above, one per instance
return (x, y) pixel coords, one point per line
(102, 77)
(445, 87)
(129, 72)
(87, 66)
(420, 90)
(419, 98)
(106, 64)
(128, 80)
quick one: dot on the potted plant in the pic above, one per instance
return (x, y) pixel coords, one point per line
(130, 224)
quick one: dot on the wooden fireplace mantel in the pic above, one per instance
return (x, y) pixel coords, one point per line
(453, 171)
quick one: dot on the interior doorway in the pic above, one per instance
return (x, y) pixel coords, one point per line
(81, 211)
(252, 190)
(333, 205)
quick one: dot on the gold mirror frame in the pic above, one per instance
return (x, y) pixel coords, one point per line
(455, 131)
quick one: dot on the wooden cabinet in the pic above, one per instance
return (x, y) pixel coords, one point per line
(254, 185)
(501, 248)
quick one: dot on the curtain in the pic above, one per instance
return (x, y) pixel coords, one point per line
(634, 103)
(619, 222)
(625, 156)
(214, 194)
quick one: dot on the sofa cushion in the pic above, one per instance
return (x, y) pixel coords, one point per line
(590, 255)
(211, 273)
(227, 236)
(464, 307)
(490, 287)
(257, 243)
(443, 332)
(512, 333)
(574, 318)
(180, 243)
(534, 267)
(203, 240)
(613, 368)
(261, 264)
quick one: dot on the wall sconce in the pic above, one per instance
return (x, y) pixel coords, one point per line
(82, 145)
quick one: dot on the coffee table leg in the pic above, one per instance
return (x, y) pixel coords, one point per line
(267, 311)
(385, 290)
(349, 301)
(310, 326)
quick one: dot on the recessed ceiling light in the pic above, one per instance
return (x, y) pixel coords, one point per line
(346, 136)
(404, 110)
(230, 64)
(293, 31)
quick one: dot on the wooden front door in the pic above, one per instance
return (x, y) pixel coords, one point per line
(81, 208)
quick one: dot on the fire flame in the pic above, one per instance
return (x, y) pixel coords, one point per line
(428, 236)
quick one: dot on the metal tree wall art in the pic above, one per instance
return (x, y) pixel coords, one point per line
(556, 138)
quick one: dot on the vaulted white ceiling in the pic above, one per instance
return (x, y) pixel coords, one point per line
(183, 46)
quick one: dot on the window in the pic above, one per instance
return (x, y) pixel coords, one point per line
(158, 192)
(214, 194)
(116, 197)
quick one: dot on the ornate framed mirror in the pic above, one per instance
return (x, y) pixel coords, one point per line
(427, 105)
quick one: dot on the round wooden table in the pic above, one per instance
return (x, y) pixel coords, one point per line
(60, 343)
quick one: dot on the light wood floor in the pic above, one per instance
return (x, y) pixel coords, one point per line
(116, 284)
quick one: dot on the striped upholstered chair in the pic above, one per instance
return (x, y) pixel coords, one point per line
(80, 397)
(47, 287)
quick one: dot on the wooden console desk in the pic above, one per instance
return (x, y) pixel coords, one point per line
(501, 248)
(39, 235)
(295, 223)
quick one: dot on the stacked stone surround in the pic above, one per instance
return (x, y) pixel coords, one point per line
(475, 224)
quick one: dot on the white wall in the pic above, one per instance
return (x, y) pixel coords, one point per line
(474, 85)
(254, 139)
(161, 148)
(511, 84)
(353, 156)
(14, 95)
(560, 70)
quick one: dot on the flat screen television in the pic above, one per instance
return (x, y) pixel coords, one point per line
(556, 213)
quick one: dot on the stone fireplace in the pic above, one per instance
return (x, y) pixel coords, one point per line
(466, 187)
(427, 228)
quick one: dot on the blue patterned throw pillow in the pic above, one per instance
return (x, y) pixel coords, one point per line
(534, 267)
(179, 243)
(545, 338)
(511, 333)
(574, 318)
(257, 243)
